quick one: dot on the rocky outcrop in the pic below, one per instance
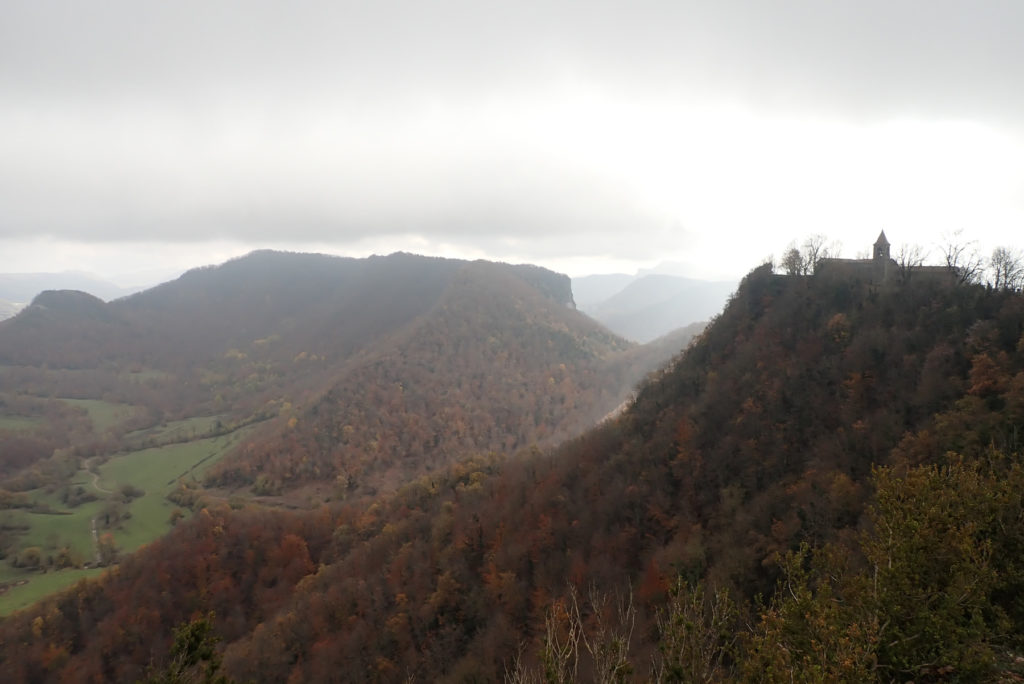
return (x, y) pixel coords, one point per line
(557, 286)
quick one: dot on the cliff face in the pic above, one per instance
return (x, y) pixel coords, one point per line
(557, 286)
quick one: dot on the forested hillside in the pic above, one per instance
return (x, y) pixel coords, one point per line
(850, 452)
(292, 378)
(273, 335)
(497, 366)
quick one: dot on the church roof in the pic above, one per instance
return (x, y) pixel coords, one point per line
(881, 239)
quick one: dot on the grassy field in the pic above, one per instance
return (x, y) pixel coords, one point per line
(71, 527)
(104, 414)
(146, 375)
(18, 423)
(38, 586)
(175, 431)
(155, 471)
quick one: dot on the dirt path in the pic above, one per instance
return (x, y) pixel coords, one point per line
(96, 484)
(96, 542)
(95, 478)
(102, 490)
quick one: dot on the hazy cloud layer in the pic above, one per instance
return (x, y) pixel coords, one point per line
(536, 130)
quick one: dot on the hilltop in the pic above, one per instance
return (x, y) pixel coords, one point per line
(809, 413)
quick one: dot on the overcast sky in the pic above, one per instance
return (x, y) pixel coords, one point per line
(139, 138)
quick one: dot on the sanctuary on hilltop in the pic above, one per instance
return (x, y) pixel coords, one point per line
(880, 268)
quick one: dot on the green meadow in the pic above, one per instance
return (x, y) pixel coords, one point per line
(19, 423)
(175, 431)
(37, 586)
(156, 471)
(104, 414)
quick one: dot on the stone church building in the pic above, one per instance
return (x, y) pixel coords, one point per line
(880, 268)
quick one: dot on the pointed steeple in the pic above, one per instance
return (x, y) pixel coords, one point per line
(882, 248)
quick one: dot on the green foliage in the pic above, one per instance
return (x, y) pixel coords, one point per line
(31, 557)
(194, 658)
(938, 533)
(926, 599)
(130, 492)
(817, 629)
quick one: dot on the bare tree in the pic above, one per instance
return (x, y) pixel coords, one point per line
(563, 628)
(698, 635)
(519, 672)
(909, 257)
(605, 636)
(962, 258)
(816, 249)
(1007, 266)
(608, 641)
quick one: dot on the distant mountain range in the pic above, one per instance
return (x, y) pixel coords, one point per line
(18, 289)
(646, 306)
(23, 287)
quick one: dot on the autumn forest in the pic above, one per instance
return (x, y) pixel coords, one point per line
(301, 468)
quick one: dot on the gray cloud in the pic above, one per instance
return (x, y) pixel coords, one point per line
(320, 121)
(955, 56)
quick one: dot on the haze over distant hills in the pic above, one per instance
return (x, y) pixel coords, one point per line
(639, 307)
(8, 309)
(647, 305)
(22, 287)
(18, 289)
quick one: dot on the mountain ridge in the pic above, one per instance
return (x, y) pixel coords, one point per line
(759, 439)
(265, 337)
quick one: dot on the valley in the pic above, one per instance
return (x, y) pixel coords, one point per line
(104, 455)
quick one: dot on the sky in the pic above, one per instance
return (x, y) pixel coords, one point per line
(141, 138)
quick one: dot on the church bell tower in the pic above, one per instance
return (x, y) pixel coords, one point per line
(882, 248)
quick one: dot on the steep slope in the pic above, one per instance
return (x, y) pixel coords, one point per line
(362, 372)
(760, 437)
(496, 365)
(327, 378)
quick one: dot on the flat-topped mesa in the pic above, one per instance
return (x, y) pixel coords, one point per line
(556, 286)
